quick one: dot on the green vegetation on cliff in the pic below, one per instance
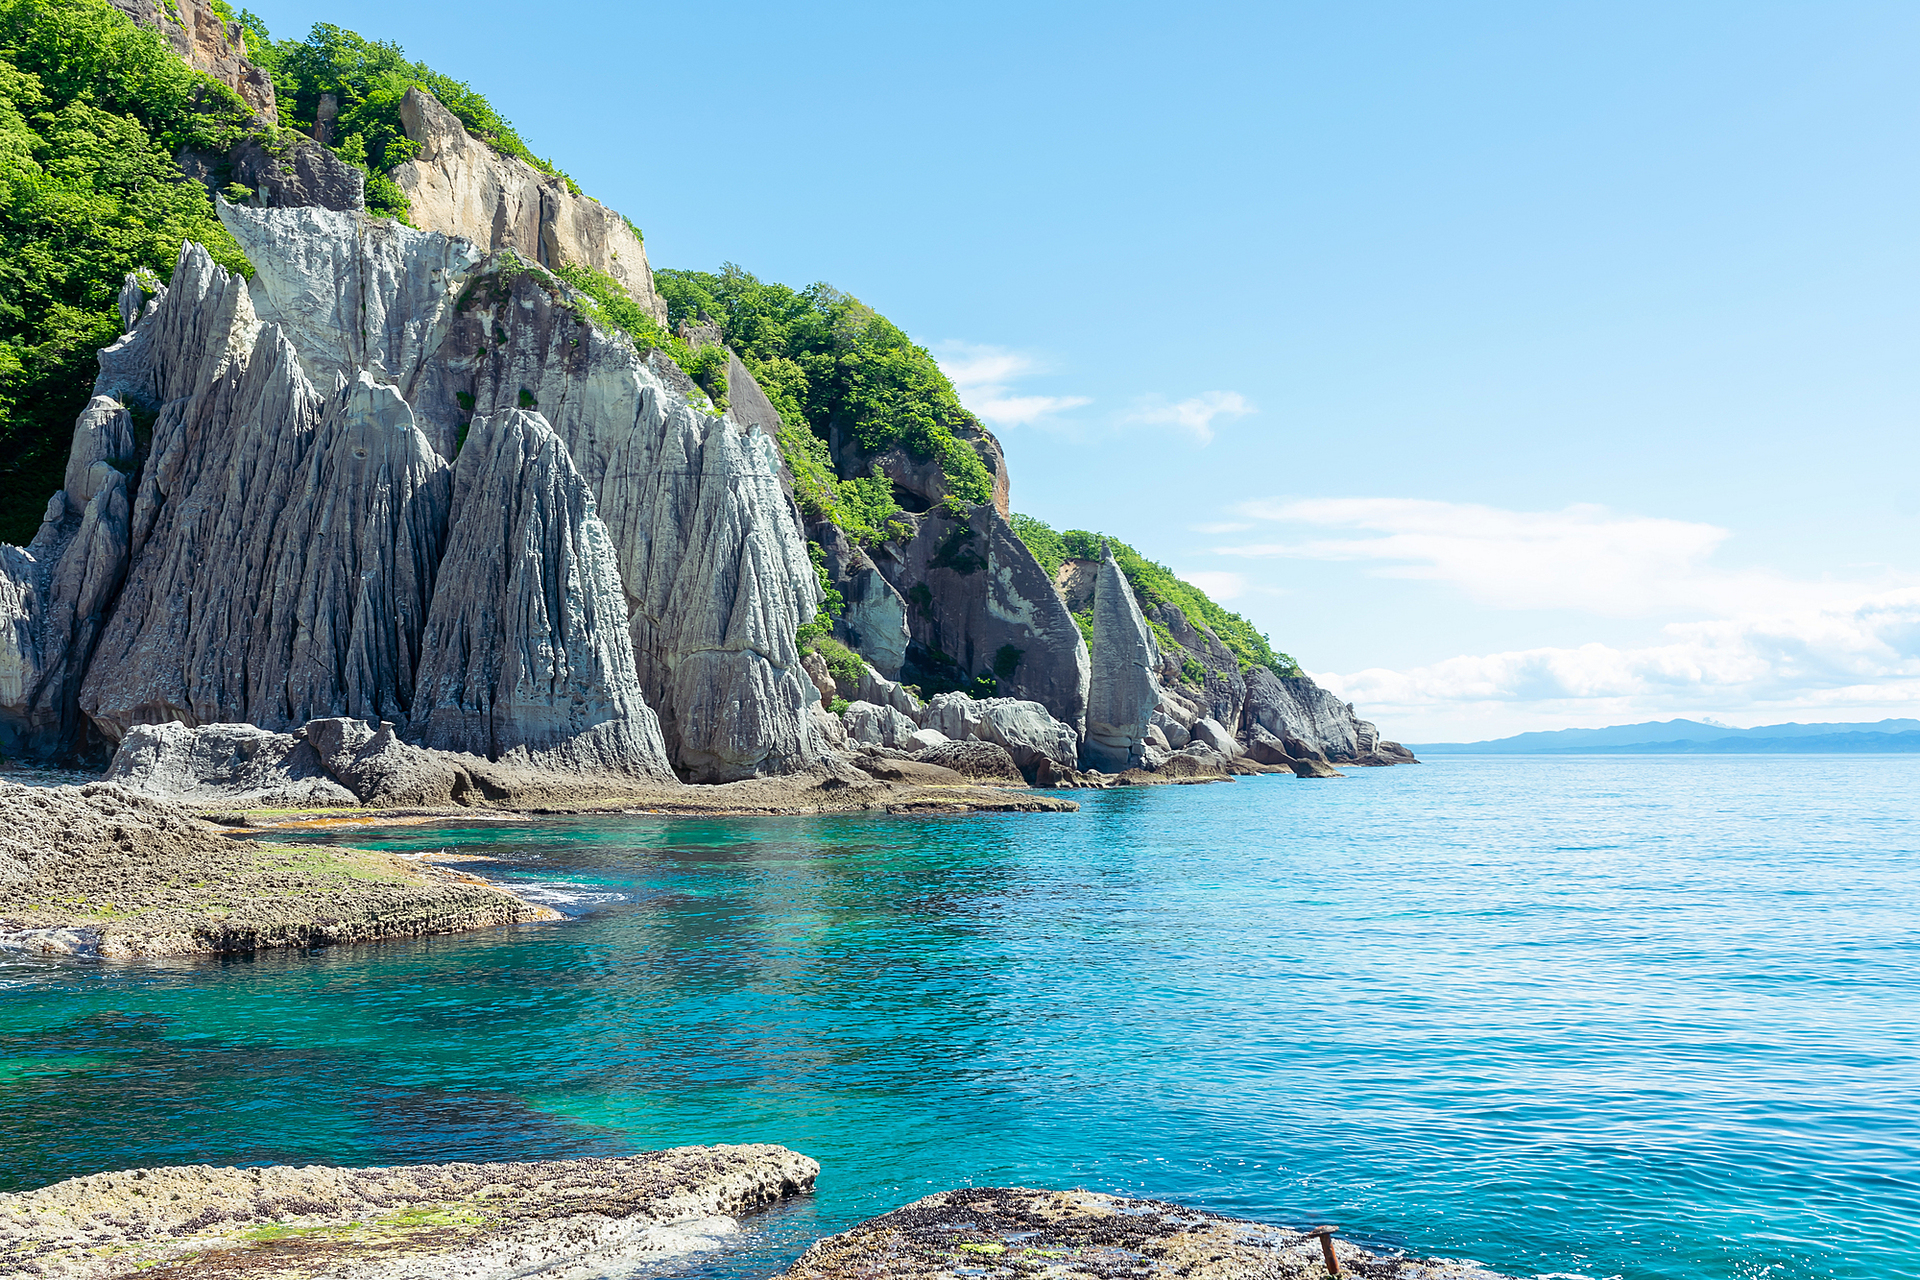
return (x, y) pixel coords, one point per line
(1154, 584)
(92, 111)
(367, 79)
(827, 360)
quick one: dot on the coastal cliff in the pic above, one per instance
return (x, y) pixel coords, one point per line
(483, 479)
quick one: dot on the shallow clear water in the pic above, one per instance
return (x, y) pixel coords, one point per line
(1638, 1017)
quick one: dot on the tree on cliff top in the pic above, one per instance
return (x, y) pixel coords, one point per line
(92, 110)
(368, 79)
(824, 357)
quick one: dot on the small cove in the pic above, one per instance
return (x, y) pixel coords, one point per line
(1595, 1015)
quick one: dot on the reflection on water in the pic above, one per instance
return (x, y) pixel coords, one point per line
(1634, 1017)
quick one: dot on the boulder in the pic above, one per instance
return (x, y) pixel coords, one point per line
(816, 668)
(1157, 739)
(975, 760)
(1122, 692)
(1023, 728)
(1026, 731)
(226, 764)
(953, 714)
(925, 740)
(1267, 749)
(1210, 733)
(1174, 733)
(877, 726)
(1049, 776)
(881, 691)
(1313, 767)
(830, 728)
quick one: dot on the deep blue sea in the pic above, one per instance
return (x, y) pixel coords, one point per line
(1596, 1016)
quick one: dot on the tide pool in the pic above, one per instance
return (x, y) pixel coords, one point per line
(1601, 1016)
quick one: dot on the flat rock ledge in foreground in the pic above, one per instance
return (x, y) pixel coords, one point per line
(554, 1219)
(99, 870)
(982, 1233)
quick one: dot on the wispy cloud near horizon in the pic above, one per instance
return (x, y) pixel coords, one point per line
(1747, 642)
(982, 374)
(1195, 414)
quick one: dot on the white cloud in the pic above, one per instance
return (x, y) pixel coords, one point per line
(1194, 414)
(1753, 644)
(1218, 584)
(1848, 661)
(1584, 557)
(980, 373)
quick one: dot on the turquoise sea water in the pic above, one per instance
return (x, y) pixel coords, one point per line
(1602, 1016)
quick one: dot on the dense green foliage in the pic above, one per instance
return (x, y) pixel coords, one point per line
(92, 110)
(824, 357)
(368, 78)
(1154, 584)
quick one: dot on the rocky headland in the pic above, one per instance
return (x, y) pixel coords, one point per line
(467, 509)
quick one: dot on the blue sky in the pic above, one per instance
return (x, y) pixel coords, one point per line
(1515, 366)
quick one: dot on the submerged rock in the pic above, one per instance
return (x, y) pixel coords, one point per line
(1088, 1236)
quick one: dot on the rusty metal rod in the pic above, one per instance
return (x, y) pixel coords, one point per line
(1326, 1248)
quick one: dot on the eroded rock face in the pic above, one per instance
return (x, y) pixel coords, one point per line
(716, 575)
(978, 602)
(1220, 689)
(874, 621)
(525, 651)
(461, 186)
(610, 555)
(1123, 692)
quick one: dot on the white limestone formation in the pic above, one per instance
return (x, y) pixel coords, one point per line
(1123, 691)
(525, 651)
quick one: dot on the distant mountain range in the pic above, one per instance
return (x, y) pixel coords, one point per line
(1690, 736)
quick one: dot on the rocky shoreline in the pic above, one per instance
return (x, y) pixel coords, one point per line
(573, 1219)
(556, 1219)
(100, 869)
(1084, 1235)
